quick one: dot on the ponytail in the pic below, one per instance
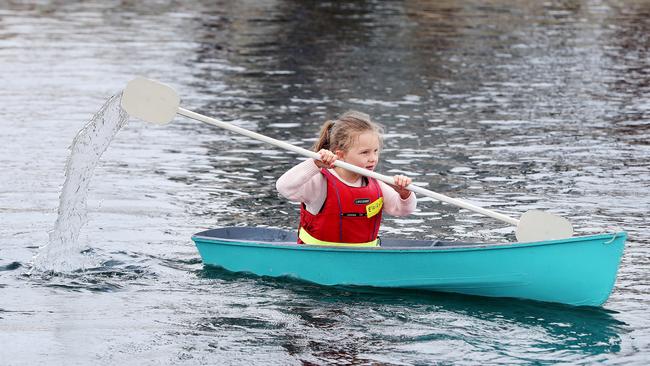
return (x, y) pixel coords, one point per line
(323, 141)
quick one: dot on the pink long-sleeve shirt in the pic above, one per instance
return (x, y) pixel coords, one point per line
(305, 183)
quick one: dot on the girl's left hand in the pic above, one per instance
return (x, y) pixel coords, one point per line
(401, 181)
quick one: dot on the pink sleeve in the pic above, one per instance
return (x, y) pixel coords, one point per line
(394, 204)
(304, 183)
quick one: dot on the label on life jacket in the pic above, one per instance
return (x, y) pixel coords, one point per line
(375, 207)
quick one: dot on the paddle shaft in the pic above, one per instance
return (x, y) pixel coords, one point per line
(347, 166)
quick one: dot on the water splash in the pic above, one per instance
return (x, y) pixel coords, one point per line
(62, 253)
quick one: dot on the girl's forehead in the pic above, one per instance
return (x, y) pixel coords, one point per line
(368, 138)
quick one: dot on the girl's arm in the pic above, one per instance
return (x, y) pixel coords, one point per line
(304, 183)
(395, 205)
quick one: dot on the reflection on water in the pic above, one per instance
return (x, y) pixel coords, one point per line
(365, 323)
(512, 105)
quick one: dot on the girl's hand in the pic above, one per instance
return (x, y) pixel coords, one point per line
(401, 181)
(327, 159)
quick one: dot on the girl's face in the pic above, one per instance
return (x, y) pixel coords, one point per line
(364, 152)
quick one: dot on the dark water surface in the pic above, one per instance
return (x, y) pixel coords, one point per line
(513, 105)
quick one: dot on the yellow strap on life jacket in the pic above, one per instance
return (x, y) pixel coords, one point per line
(308, 239)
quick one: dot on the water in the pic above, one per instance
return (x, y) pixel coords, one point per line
(62, 252)
(511, 105)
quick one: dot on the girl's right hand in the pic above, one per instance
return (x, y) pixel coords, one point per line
(327, 159)
(401, 181)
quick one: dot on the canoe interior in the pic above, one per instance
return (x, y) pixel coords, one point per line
(285, 237)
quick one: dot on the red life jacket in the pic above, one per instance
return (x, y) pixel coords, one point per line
(344, 217)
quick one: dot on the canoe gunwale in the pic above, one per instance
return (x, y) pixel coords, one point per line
(610, 237)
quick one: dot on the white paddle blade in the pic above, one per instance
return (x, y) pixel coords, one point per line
(150, 101)
(537, 225)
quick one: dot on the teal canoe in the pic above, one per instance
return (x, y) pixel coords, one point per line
(575, 271)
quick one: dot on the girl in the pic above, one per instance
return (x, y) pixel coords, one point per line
(340, 207)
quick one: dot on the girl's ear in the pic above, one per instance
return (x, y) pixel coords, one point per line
(340, 154)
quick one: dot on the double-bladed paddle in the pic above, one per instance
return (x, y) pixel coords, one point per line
(155, 102)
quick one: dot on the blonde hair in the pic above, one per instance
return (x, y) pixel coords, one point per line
(340, 134)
